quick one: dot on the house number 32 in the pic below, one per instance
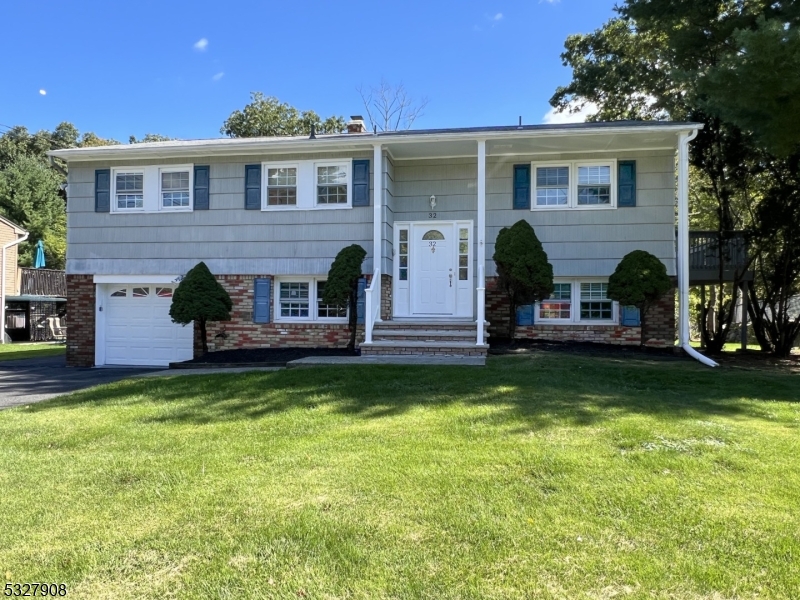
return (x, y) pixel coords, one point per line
(431, 215)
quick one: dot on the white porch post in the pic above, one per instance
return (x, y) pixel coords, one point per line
(481, 239)
(377, 226)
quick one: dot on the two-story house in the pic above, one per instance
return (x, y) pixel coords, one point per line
(268, 216)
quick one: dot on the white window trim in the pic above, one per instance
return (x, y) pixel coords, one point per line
(265, 167)
(151, 188)
(575, 305)
(312, 301)
(177, 169)
(307, 184)
(572, 191)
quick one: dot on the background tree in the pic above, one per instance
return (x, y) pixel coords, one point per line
(680, 60)
(639, 280)
(341, 288)
(200, 297)
(390, 107)
(150, 137)
(269, 117)
(523, 272)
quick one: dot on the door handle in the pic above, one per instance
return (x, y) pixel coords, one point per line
(451, 280)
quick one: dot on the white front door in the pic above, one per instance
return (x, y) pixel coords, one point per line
(433, 284)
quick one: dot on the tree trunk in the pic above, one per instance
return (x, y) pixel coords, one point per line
(512, 319)
(353, 320)
(202, 323)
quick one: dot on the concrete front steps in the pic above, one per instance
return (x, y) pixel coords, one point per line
(426, 338)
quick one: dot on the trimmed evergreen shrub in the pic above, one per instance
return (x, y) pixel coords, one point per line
(200, 297)
(341, 288)
(639, 280)
(523, 272)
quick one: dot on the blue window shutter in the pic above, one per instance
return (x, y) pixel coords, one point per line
(102, 190)
(522, 187)
(201, 188)
(252, 187)
(626, 183)
(261, 300)
(361, 183)
(361, 300)
(525, 314)
(630, 316)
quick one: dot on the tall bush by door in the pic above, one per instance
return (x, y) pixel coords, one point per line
(341, 288)
(523, 272)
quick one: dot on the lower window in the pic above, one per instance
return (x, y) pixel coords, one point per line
(575, 301)
(300, 299)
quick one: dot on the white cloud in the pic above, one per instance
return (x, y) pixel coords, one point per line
(43, 92)
(218, 76)
(497, 17)
(201, 44)
(559, 118)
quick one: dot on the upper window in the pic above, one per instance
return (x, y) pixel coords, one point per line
(175, 189)
(331, 184)
(573, 184)
(282, 186)
(306, 184)
(129, 190)
(152, 188)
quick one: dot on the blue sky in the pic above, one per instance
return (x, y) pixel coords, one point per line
(180, 68)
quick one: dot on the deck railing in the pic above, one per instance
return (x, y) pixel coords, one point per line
(372, 305)
(43, 282)
(706, 249)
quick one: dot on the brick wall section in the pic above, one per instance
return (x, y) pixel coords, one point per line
(80, 320)
(386, 297)
(242, 332)
(660, 324)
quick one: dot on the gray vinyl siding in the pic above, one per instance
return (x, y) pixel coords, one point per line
(579, 243)
(387, 241)
(227, 237)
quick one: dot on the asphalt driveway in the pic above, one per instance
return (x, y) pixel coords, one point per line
(35, 379)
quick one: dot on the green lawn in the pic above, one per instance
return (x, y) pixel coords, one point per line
(540, 476)
(17, 351)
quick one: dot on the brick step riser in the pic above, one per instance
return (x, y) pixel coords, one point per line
(420, 352)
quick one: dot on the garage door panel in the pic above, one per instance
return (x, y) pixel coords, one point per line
(139, 331)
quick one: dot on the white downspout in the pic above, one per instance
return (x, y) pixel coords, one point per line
(3, 286)
(683, 249)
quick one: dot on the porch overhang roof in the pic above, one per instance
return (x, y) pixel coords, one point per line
(612, 136)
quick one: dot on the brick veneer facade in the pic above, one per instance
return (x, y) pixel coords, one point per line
(386, 297)
(80, 315)
(660, 325)
(242, 332)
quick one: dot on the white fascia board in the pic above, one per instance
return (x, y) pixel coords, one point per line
(364, 142)
(137, 278)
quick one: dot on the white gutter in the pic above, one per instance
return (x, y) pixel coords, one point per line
(344, 142)
(3, 286)
(683, 249)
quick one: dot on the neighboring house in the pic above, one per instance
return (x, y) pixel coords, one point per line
(33, 300)
(268, 215)
(11, 234)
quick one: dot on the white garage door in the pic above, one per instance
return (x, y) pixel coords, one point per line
(139, 330)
